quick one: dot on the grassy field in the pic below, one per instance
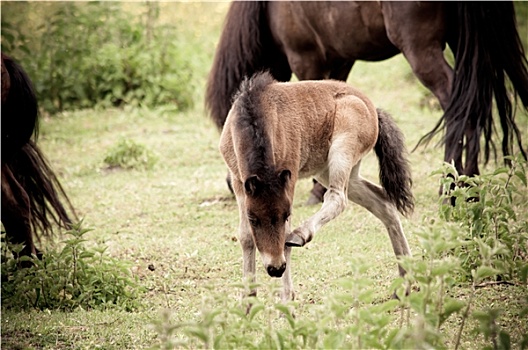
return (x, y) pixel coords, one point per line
(180, 218)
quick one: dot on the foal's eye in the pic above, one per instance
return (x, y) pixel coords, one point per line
(253, 220)
(286, 216)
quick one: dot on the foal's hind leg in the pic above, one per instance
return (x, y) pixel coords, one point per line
(373, 198)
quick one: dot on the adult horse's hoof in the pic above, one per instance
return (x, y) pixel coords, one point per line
(316, 194)
(313, 200)
(294, 240)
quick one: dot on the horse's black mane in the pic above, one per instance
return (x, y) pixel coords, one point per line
(251, 124)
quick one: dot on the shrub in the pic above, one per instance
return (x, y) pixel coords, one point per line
(490, 220)
(127, 154)
(94, 55)
(74, 276)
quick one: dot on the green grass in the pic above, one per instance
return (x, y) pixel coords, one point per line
(180, 217)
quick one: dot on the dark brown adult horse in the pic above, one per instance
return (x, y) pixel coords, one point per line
(32, 197)
(318, 40)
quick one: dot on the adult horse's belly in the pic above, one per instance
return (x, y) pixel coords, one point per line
(349, 30)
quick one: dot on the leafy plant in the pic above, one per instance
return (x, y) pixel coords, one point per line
(344, 321)
(486, 217)
(127, 154)
(72, 277)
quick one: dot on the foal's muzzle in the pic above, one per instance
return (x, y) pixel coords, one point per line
(276, 271)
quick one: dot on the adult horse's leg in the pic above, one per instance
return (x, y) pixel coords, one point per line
(341, 70)
(418, 30)
(422, 41)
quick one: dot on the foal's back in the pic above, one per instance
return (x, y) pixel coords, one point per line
(298, 119)
(314, 113)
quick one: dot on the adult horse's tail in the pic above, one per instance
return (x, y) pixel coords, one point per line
(32, 196)
(245, 47)
(489, 50)
(395, 174)
(48, 202)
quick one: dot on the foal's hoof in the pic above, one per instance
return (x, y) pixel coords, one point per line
(294, 240)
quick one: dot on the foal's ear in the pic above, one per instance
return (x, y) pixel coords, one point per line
(252, 185)
(284, 177)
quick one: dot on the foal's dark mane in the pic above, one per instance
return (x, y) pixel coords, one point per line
(251, 125)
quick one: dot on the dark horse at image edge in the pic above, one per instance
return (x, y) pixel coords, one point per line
(321, 40)
(33, 199)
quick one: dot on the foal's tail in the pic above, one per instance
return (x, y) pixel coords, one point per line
(395, 174)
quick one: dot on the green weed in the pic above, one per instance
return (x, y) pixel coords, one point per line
(73, 277)
(488, 219)
(127, 154)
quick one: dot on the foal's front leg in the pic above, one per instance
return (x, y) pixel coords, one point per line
(335, 201)
(340, 163)
(288, 293)
(248, 254)
(246, 239)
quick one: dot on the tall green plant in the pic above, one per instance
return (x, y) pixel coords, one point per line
(490, 215)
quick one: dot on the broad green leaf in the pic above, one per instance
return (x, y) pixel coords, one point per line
(484, 272)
